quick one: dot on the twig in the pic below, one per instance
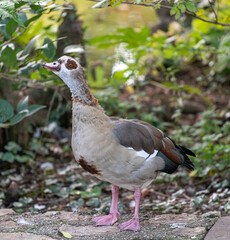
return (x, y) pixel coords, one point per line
(186, 196)
(170, 7)
(160, 85)
(216, 16)
(160, 193)
(50, 106)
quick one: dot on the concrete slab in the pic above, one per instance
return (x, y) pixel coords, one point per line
(220, 230)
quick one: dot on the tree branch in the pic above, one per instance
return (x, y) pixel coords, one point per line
(168, 6)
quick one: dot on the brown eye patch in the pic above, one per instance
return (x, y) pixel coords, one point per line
(71, 64)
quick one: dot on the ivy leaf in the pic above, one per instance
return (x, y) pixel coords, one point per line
(34, 108)
(6, 111)
(18, 117)
(191, 7)
(11, 26)
(22, 104)
(8, 57)
(8, 157)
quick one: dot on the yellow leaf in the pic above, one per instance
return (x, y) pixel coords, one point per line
(155, 72)
(193, 173)
(210, 172)
(130, 89)
(66, 235)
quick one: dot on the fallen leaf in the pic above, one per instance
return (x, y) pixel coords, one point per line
(66, 235)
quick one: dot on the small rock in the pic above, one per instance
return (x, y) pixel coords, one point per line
(178, 225)
(132, 204)
(190, 191)
(47, 166)
(39, 207)
(22, 221)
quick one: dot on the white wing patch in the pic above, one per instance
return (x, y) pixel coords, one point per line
(144, 154)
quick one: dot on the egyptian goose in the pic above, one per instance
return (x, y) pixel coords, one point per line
(126, 153)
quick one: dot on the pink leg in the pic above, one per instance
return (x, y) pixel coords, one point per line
(133, 224)
(113, 213)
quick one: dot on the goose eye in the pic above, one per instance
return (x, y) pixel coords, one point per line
(71, 64)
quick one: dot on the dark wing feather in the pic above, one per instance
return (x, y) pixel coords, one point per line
(140, 135)
(135, 134)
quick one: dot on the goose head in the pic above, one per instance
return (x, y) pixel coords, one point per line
(72, 74)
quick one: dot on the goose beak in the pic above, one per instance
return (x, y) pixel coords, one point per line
(54, 66)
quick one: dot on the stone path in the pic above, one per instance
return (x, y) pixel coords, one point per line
(221, 230)
(52, 225)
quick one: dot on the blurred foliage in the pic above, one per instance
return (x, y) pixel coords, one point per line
(163, 54)
(209, 139)
(23, 110)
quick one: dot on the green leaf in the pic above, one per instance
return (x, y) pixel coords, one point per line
(23, 104)
(11, 26)
(34, 108)
(173, 10)
(23, 158)
(9, 57)
(35, 8)
(191, 7)
(32, 19)
(18, 19)
(177, 14)
(34, 75)
(19, 4)
(182, 7)
(18, 117)
(6, 111)
(101, 4)
(48, 48)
